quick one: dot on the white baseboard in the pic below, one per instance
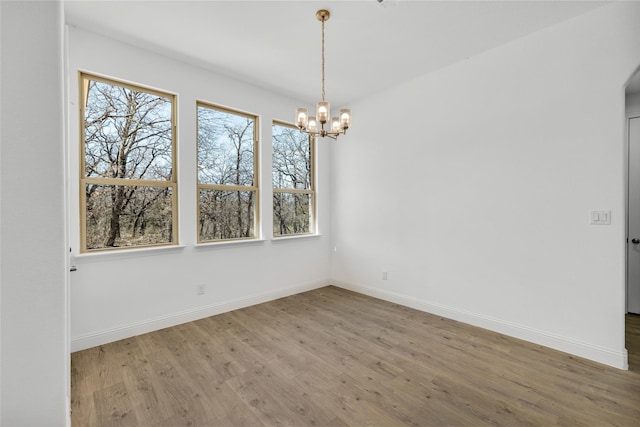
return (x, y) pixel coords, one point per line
(114, 334)
(568, 345)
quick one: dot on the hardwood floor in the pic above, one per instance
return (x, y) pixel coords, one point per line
(632, 341)
(331, 357)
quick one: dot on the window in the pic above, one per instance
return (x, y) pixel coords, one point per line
(128, 186)
(227, 174)
(293, 181)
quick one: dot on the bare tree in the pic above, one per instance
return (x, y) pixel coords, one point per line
(128, 138)
(292, 170)
(225, 158)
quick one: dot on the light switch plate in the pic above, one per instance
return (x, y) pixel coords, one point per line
(600, 217)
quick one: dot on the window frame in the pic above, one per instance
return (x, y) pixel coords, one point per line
(83, 91)
(229, 187)
(313, 225)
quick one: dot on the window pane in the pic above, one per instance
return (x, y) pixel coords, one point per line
(225, 148)
(291, 213)
(226, 215)
(121, 215)
(127, 133)
(291, 158)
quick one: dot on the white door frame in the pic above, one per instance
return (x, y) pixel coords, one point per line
(628, 117)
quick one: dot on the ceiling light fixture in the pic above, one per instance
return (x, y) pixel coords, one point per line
(337, 125)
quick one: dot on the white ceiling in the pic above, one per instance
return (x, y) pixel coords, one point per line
(276, 44)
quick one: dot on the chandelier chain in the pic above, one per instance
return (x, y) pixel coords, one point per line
(323, 59)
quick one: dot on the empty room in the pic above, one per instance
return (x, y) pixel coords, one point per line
(329, 213)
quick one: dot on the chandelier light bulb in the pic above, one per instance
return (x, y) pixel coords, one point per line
(335, 125)
(302, 116)
(345, 118)
(323, 111)
(313, 124)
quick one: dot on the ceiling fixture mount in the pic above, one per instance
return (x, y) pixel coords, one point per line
(315, 125)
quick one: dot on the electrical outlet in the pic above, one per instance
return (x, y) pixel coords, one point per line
(200, 289)
(384, 275)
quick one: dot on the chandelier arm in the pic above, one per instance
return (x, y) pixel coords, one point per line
(321, 133)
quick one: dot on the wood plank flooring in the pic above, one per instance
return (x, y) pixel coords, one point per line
(632, 341)
(330, 357)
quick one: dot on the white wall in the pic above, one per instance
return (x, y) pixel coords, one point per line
(1, 218)
(472, 187)
(35, 349)
(633, 103)
(121, 294)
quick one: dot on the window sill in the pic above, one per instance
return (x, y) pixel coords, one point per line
(128, 253)
(295, 237)
(229, 243)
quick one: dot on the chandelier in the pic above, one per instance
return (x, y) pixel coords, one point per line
(315, 125)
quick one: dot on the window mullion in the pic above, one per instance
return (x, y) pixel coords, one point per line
(127, 182)
(292, 191)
